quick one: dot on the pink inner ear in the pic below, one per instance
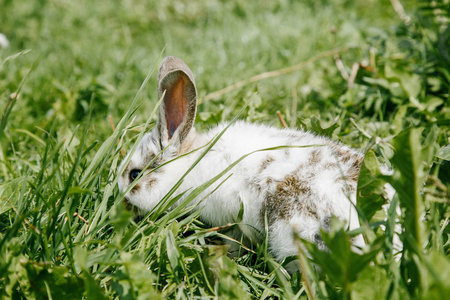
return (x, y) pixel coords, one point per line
(175, 104)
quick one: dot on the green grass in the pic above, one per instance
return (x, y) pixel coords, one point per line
(64, 232)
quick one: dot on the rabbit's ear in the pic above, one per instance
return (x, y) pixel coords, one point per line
(178, 109)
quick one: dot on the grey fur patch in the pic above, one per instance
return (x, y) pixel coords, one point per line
(317, 239)
(227, 158)
(148, 157)
(252, 183)
(156, 163)
(296, 135)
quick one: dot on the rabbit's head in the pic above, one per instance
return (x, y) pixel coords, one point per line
(147, 170)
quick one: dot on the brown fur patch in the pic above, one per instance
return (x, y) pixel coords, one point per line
(316, 156)
(353, 172)
(344, 155)
(138, 186)
(293, 185)
(135, 188)
(351, 165)
(291, 196)
(156, 162)
(265, 163)
(330, 165)
(151, 181)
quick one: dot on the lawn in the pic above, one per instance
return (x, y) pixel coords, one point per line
(78, 84)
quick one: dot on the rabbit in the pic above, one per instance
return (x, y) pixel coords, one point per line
(291, 190)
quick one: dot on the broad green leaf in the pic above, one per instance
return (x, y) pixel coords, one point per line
(412, 160)
(408, 180)
(370, 186)
(410, 82)
(93, 290)
(437, 276)
(444, 153)
(372, 283)
(172, 250)
(399, 119)
(80, 256)
(316, 125)
(339, 262)
(57, 282)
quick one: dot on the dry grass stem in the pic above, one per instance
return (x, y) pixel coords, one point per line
(283, 122)
(340, 66)
(84, 220)
(353, 73)
(398, 7)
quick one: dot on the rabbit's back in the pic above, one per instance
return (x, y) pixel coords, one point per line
(300, 182)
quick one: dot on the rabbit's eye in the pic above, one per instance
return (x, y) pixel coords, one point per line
(134, 174)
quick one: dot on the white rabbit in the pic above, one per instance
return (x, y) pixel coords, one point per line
(296, 190)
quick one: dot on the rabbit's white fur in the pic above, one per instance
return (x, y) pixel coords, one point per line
(296, 190)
